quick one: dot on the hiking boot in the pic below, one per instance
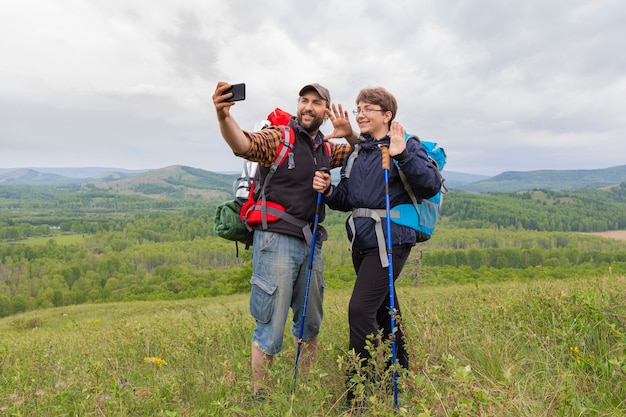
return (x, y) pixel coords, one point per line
(260, 396)
(349, 399)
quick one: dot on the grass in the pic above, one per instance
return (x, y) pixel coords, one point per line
(546, 348)
(62, 239)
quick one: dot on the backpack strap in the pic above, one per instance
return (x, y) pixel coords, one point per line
(283, 215)
(377, 215)
(407, 187)
(350, 161)
(284, 149)
(329, 150)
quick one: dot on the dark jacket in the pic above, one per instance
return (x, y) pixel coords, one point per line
(365, 188)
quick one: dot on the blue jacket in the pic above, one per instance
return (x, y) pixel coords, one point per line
(365, 188)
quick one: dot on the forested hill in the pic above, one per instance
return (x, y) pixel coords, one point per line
(584, 210)
(173, 182)
(512, 181)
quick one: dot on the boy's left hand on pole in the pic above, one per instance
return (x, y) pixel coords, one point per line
(321, 180)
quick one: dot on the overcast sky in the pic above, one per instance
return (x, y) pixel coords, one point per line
(501, 85)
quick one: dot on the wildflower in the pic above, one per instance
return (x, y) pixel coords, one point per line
(156, 360)
(575, 353)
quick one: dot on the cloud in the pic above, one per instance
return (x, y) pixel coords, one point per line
(502, 86)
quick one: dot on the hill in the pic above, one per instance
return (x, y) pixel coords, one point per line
(180, 180)
(27, 176)
(513, 181)
(80, 172)
(459, 180)
(175, 181)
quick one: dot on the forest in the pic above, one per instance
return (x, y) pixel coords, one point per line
(62, 247)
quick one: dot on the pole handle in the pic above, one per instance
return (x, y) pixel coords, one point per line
(386, 158)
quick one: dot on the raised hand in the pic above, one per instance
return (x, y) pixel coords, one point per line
(341, 124)
(222, 107)
(397, 144)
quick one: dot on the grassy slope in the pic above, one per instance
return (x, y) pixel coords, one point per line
(542, 348)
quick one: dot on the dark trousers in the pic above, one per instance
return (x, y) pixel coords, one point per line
(368, 310)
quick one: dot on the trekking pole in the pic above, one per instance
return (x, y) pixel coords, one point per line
(308, 281)
(392, 308)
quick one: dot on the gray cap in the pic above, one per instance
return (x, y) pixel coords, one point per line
(319, 89)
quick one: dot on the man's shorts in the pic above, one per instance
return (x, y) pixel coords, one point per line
(280, 265)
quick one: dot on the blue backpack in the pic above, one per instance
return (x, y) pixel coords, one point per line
(422, 216)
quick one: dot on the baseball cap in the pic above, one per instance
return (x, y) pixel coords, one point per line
(319, 89)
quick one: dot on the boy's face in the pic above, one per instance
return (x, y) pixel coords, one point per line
(372, 119)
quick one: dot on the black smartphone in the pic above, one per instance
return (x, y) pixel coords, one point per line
(239, 92)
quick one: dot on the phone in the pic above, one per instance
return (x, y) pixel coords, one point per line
(239, 92)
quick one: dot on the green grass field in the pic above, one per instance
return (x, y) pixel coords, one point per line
(59, 239)
(545, 348)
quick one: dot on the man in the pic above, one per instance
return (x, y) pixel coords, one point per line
(280, 253)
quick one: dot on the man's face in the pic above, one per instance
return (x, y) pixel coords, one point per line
(311, 111)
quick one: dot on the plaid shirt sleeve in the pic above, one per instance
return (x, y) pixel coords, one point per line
(340, 152)
(263, 145)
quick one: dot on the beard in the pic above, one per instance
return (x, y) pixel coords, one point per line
(313, 125)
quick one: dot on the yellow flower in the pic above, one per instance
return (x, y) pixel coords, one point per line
(156, 360)
(576, 354)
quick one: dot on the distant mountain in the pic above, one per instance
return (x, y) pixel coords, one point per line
(61, 176)
(89, 172)
(513, 181)
(108, 176)
(182, 181)
(169, 182)
(78, 172)
(27, 176)
(458, 180)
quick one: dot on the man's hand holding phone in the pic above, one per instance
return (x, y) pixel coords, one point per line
(238, 92)
(223, 101)
(225, 96)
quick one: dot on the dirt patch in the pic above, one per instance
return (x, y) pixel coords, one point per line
(612, 234)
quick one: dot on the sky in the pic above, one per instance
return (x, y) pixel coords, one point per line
(500, 85)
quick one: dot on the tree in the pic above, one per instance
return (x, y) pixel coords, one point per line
(5, 305)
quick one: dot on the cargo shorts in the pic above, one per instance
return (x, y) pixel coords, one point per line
(280, 265)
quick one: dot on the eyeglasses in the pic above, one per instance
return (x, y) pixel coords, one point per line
(366, 111)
